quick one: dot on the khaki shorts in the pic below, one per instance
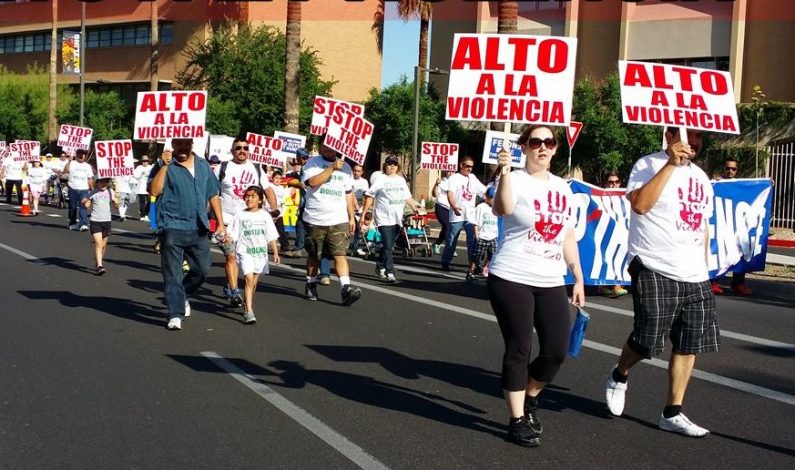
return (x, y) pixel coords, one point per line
(326, 240)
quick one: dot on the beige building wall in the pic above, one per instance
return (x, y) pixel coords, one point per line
(769, 60)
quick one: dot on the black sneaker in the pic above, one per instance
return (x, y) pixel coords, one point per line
(471, 276)
(520, 432)
(531, 414)
(446, 268)
(350, 294)
(310, 291)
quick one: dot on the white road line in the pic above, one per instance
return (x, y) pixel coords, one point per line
(21, 253)
(54, 215)
(328, 435)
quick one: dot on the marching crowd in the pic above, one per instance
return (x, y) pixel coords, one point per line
(520, 238)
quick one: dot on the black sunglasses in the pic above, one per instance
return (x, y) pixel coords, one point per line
(730, 168)
(535, 143)
(241, 147)
(467, 166)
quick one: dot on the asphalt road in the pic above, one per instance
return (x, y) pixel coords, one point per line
(407, 378)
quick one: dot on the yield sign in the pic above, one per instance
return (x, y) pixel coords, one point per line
(572, 132)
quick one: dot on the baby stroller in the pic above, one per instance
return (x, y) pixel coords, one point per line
(413, 238)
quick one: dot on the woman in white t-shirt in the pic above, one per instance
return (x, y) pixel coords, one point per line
(526, 286)
(390, 194)
(37, 181)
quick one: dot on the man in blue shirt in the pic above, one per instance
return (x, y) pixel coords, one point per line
(185, 185)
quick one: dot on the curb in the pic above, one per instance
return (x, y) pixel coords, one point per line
(781, 243)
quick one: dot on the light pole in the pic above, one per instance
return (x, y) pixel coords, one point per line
(82, 59)
(416, 126)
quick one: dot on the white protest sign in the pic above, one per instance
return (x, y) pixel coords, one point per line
(161, 115)
(677, 96)
(114, 158)
(292, 142)
(265, 150)
(221, 145)
(512, 78)
(323, 110)
(350, 135)
(75, 137)
(3, 151)
(439, 156)
(495, 141)
(24, 150)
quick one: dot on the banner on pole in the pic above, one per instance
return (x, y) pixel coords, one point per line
(325, 109)
(161, 115)
(512, 78)
(114, 158)
(678, 96)
(439, 156)
(495, 141)
(70, 53)
(291, 142)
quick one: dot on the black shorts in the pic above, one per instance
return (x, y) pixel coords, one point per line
(99, 227)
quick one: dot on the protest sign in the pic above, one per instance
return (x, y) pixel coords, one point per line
(75, 137)
(512, 78)
(678, 96)
(114, 158)
(326, 108)
(199, 145)
(349, 134)
(439, 156)
(3, 151)
(221, 145)
(495, 141)
(738, 229)
(291, 142)
(265, 150)
(161, 115)
(24, 150)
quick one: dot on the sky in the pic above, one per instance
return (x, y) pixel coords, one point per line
(401, 44)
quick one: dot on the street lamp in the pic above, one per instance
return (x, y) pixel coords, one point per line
(416, 128)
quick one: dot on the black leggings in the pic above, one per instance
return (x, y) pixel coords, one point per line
(519, 308)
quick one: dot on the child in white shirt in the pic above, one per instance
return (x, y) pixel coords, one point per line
(485, 224)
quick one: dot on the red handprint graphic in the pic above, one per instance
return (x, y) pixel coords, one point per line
(691, 208)
(239, 186)
(550, 222)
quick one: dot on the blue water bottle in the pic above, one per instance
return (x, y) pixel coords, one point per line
(578, 332)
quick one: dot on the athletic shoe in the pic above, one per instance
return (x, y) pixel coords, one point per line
(185, 266)
(620, 291)
(680, 424)
(608, 291)
(100, 270)
(350, 294)
(122, 219)
(361, 252)
(531, 414)
(249, 318)
(237, 299)
(742, 290)
(324, 281)
(381, 272)
(83, 228)
(716, 288)
(520, 432)
(145, 219)
(74, 227)
(390, 278)
(174, 323)
(187, 308)
(471, 276)
(228, 293)
(310, 291)
(615, 395)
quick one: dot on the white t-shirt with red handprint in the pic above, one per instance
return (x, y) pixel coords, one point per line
(670, 237)
(531, 248)
(465, 190)
(237, 178)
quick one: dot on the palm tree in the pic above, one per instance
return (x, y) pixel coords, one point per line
(52, 132)
(408, 9)
(292, 55)
(154, 41)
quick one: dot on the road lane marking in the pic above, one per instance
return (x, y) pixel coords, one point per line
(21, 253)
(340, 443)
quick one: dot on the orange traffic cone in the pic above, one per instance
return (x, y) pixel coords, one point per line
(25, 209)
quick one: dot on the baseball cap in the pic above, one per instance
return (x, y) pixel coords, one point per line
(490, 192)
(302, 153)
(214, 159)
(392, 159)
(144, 158)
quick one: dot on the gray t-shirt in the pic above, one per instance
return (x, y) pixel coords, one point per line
(100, 205)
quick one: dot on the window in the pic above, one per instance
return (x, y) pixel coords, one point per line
(29, 43)
(714, 63)
(38, 43)
(104, 38)
(117, 37)
(166, 33)
(114, 36)
(93, 39)
(142, 35)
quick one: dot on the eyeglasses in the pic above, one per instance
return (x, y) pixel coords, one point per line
(467, 166)
(390, 164)
(613, 181)
(535, 143)
(241, 147)
(730, 168)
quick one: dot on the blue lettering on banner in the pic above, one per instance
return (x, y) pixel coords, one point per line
(738, 230)
(496, 145)
(291, 144)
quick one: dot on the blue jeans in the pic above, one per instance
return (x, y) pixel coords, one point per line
(386, 258)
(176, 245)
(325, 268)
(452, 240)
(76, 206)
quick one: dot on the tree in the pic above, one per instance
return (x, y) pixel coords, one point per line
(25, 103)
(292, 57)
(245, 66)
(105, 113)
(408, 9)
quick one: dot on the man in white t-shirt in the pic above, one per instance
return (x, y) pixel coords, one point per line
(141, 178)
(235, 176)
(463, 189)
(672, 201)
(80, 183)
(329, 219)
(14, 174)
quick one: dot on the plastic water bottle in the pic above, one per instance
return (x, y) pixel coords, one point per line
(578, 332)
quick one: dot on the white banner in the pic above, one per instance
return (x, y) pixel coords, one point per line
(161, 115)
(221, 145)
(75, 137)
(24, 150)
(325, 108)
(439, 156)
(114, 158)
(512, 78)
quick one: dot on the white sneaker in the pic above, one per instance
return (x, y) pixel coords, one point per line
(174, 323)
(74, 227)
(145, 219)
(361, 252)
(680, 424)
(381, 273)
(390, 278)
(187, 309)
(615, 394)
(83, 228)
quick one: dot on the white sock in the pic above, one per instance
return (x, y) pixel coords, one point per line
(311, 279)
(345, 280)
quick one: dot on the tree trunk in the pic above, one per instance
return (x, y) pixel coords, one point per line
(292, 55)
(154, 43)
(52, 122)
(422, 60)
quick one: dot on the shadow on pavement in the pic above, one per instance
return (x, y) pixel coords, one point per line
(69, 264)
(122, 308)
